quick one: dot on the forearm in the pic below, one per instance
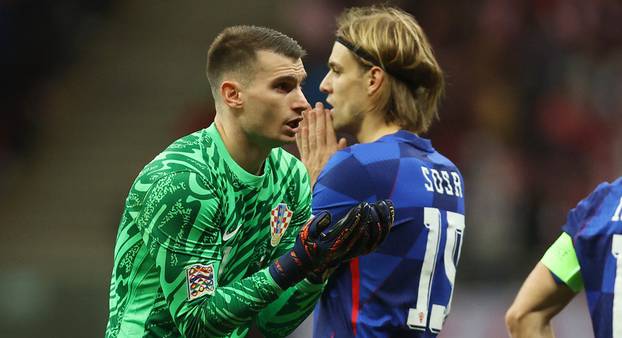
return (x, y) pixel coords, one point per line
(230, 307)
(530, 325)
(538, 301)
(284, 315)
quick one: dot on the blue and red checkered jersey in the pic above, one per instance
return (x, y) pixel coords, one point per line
(595, 226)
(405, 287)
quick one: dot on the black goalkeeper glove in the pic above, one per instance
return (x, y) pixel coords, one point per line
(318, 246)
(376, 222)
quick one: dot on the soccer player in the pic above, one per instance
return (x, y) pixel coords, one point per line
(215, 233)
(384, 85)
(587, 255)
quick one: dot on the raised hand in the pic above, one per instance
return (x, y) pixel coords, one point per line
(316, 140)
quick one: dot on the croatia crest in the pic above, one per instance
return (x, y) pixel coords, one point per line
(200, 280)
(279, 221)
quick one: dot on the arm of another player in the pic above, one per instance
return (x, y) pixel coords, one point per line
(176, 222)
(542, 297)
(316, 140)
(538, 301)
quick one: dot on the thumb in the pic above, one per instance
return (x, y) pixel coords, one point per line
(320, 222)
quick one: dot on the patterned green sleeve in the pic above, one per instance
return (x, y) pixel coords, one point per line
(285, 314)
(177, 224)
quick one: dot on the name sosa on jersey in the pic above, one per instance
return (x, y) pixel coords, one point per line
(441, 182)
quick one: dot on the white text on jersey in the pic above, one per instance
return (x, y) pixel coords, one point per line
(440, 181)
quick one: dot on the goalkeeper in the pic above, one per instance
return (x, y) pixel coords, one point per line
(215, 234)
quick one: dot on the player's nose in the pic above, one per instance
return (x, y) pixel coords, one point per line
(300, 103)
(325, 85)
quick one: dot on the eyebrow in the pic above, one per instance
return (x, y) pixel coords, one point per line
(289, 78)
(332, 64)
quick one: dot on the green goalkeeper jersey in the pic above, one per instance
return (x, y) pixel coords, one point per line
(195, 240)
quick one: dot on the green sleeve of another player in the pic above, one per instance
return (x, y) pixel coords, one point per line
(285, 314)
(177, 225)
(561, 260)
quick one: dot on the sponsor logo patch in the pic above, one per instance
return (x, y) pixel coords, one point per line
(200, 280)
(228, 235)
(280, 217)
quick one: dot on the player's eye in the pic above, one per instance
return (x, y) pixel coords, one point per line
(284, 87)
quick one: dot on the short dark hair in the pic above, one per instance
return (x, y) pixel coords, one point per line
(235, 49)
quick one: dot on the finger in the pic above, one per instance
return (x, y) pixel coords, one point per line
(320, 125)
(378, 230)
(387, 211)
(302, 137)
(357, 235)
(299, 140)
(349, 221)
(386, 215)
(320, 222)
(312, 126)
(331, 138)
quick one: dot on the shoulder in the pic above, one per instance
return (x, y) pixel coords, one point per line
(289, 173)
(363, 154)
(184, 153)
(358, 173)
(597, 197)
(172, 184)
(616, 186)
(402, 146)
(605, 196)
(386, 156)
(284, 163)
(341, 162)
(181, 160)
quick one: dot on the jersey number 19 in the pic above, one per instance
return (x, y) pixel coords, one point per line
(418, 317)
(616, 251)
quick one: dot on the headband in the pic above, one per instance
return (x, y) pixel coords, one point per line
(363, 54)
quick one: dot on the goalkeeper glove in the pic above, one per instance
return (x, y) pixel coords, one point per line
(318, 246)
(377, 220)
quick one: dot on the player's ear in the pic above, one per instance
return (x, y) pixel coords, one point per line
(231, 94)
(375, 79)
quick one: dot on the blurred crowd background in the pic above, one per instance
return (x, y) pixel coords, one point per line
(90, 91)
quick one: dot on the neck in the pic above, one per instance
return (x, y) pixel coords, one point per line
(246, 153)
(374, 127)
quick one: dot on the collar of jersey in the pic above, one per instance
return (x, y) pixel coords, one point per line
(241, 173)
(411, 138)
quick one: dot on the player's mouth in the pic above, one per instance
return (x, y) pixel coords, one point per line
(294, 123)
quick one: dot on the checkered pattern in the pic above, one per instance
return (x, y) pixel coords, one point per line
(592, 226)
(371, 296)
(280, 218)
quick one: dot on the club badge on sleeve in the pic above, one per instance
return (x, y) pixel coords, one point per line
(280, 217)
(200, 280)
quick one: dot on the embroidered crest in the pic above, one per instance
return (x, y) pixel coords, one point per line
(200, 280)
(279, 221)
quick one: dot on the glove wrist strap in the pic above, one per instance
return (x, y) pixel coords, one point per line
(287, 270)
